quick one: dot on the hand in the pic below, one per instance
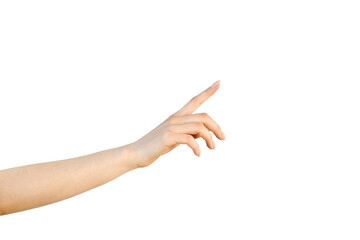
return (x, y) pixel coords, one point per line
(182, 127)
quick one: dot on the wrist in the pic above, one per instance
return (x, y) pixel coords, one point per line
(127, 155)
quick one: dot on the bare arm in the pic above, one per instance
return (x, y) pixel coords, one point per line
(36, 185)
(40, 184)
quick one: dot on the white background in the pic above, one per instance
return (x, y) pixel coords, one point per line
(83, 76)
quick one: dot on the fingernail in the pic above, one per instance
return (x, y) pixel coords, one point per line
(198, 152)
(215, 84)
(223, 135)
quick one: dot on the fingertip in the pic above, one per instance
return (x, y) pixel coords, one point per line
(222, 135)
(197, 152)
(215, 84)
(212, 145)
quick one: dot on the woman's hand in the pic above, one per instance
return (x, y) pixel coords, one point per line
(36, 185)
(182, 127)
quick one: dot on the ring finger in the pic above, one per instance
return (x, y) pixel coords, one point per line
(194, 128)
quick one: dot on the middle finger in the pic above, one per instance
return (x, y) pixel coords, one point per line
(205, 119)
(194, 128)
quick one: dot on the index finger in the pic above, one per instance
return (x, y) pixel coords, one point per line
(196, 101)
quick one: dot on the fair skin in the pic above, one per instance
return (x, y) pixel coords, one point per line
(36, 185)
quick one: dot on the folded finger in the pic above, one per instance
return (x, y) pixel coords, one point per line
(181, 138)
(194, 128)
(203, 118)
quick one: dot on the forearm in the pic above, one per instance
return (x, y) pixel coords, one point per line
(40, 184)
(37, 185)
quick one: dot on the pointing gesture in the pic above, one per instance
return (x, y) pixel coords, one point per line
(40, 184)
(182, 127)
(196, 101)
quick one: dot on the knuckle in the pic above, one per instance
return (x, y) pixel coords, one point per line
(204, 115)
(171, 120)
(170, 128)
(203, 128)
(198, 125)
(174, 115)
(189, 138)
